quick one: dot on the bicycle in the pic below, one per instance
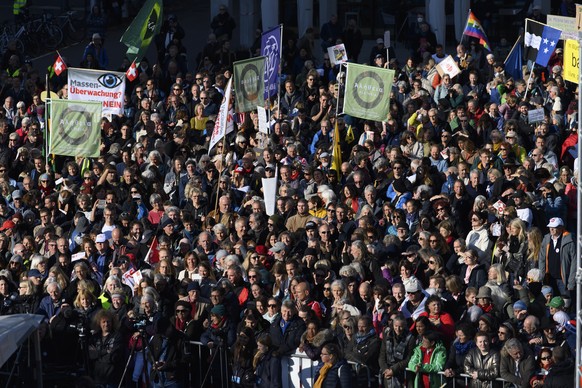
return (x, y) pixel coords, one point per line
(73, 26)
(9, 36)
(49, 33)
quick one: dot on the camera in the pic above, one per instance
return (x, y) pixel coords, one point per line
(140, 322)
(78, 321)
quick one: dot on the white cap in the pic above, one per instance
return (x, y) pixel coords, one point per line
(555, 222)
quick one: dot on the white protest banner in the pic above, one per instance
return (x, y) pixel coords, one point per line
(269, 194)
(223, 119)
(107, 87)
(78, 256)
(337, 54)
(535, 115)
(448, 66)
(263, 125)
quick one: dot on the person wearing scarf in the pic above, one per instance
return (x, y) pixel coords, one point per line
(364, 349)
(335, 370)
(459, 349)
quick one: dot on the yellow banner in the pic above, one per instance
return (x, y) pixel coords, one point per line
(571, 61)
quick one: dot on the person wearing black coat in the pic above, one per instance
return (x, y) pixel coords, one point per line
(267, 365)
(364, 348)
(562, 372)
(287, 329)
(335, 372)
(106, 350)
(168, 359)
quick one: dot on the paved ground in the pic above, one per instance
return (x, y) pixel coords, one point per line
(195, 18)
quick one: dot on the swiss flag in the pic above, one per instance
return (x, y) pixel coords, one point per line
(59, 66)
(131, 73)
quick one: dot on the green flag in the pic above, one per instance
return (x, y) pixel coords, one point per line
(368, 91)
(249, 84)
(142, 30)
(75, 128)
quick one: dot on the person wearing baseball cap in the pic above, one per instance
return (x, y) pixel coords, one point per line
(413, 304)
(558, 257)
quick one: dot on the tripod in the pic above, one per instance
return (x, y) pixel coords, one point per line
(146, 356)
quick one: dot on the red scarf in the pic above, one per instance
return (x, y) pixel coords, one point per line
(180, 324)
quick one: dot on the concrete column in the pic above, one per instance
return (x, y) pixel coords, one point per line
(269, 14)
(247, 24)
(326, 9)
(304, 15)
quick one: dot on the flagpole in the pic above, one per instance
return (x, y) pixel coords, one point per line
(513, 48)
(46, 121)
(529, 78)
(219, 175)
(579, 233)
(339, 90)
(279, 74)
(465, 29)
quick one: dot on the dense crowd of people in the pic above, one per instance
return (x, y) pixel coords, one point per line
(441, 248)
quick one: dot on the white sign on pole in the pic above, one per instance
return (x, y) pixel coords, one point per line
(263, 124)
(387, 38)
(448, 66)
(337, 54)
(269, 194)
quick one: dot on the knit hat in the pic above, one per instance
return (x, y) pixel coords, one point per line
(547, 290)
(218, 310)
(519, 305)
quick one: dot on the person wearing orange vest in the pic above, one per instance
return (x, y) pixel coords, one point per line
(557, 257)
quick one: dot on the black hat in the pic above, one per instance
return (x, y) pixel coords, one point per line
(194, 286)
(168, 221)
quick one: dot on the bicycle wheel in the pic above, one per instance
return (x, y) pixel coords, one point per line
(52, 36)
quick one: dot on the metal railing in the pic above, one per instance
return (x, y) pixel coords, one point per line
(212, 367)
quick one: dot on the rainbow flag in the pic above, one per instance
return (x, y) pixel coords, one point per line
(475, 30)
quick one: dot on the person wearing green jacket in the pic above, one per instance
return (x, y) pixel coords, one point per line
(428, 359)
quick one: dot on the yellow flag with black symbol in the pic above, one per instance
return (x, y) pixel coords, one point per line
(75, 128)
(350, 135)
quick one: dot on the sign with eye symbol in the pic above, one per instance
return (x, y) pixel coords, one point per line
(107, 87)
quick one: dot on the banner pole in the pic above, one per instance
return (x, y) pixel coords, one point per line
(222, 161)
(339, 91)
(279, 74)
(579, 233)
(528, 79)
(46, 120)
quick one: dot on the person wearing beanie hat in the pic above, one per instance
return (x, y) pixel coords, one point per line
(221, 332)
(519, 312)
(199, 305)
(547, 292)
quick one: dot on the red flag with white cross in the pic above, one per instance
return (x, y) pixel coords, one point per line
(131, 73)
(59, 66)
